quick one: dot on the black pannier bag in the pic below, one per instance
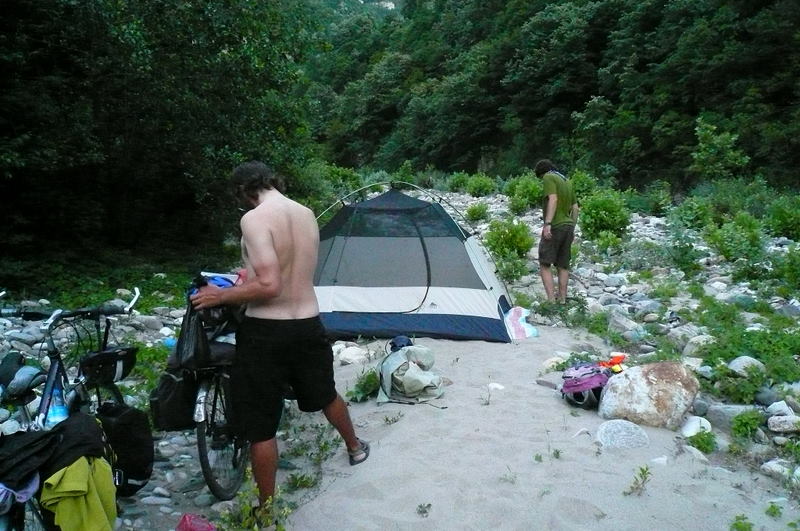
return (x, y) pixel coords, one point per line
(172, 401)
(128, 432)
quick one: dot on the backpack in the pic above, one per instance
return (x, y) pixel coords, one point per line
(128, 432)
(172, 401)
(583, 384)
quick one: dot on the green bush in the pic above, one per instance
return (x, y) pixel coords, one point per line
(783, 217)
(524, 191)
(705, 441)
(655, 199)
(715, 156)
(477, 212)
(740, 238)
(508, 238)
(786, 268)
(511, 267)
(518, 205)
(682, 252)
(693, 212)
(745, 424)
(728, 197)
(480, 185)
(583, 184)
(522, 300)
(738, 390)
(608, 242)
(405, 172)
(642, 255)
(604, 210)
(458, 182)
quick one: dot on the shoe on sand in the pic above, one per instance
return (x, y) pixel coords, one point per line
(360, 454)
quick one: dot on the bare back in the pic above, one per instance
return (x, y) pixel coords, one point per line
(289, 242)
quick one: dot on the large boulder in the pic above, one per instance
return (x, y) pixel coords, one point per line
(656, 394)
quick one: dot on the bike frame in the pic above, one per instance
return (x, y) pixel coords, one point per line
(57, 370)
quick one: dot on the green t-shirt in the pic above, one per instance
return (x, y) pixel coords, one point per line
(555, 183)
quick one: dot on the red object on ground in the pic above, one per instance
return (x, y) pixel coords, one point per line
(194, 522)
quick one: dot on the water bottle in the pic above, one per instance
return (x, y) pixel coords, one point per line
(58, 407)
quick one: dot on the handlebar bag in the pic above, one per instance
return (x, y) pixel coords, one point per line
(108, 366)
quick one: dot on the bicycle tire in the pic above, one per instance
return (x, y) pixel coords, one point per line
(223, 455)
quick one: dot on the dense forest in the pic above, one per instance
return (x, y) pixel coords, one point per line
(121, 121)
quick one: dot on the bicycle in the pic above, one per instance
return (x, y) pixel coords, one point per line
(223, 454)
(97, 370)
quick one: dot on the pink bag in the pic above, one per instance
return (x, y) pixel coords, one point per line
(194, 522)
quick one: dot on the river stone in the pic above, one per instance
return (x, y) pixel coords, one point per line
(353, 355)
(779, 469)
(694, 425)
(9, 427)
(656, 394)
(155, 500)
(741, 365)
(779, 409)
(680, 336)
(784, 424)
(695, 343)
(721, 415)
(766, 396)
(621, 434)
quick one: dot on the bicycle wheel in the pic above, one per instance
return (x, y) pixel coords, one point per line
(223, 455)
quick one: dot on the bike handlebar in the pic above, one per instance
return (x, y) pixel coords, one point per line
(89, 313)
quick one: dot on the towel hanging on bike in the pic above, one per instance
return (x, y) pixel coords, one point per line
(23, 453)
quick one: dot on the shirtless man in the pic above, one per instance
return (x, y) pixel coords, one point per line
(281, 340)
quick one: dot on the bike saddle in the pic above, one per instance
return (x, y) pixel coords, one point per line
(25, 379)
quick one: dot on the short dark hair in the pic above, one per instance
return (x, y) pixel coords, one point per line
(544, 166)
(251, 177)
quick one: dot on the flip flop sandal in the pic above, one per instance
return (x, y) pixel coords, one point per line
(356, 455)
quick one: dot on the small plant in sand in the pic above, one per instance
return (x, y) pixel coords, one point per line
(639, 482)
(509, 477)
(325, 445)
(366, 386)
(424, 509)
(243, 515)
(556, 453)
(537, 458)
(774, 510)
(394, 418)
(705, 441)
(741, 523)
(300, 481)
(745, 424)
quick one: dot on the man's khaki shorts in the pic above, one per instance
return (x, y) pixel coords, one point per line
(557, 250)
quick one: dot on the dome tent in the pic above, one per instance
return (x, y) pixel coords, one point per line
(395, 265)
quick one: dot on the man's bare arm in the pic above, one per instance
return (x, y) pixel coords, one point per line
(264, 285)
(549, 214)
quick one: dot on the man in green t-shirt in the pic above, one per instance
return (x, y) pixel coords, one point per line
(560, 211)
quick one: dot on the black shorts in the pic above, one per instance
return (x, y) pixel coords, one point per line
(271, 355)
(558, 249)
